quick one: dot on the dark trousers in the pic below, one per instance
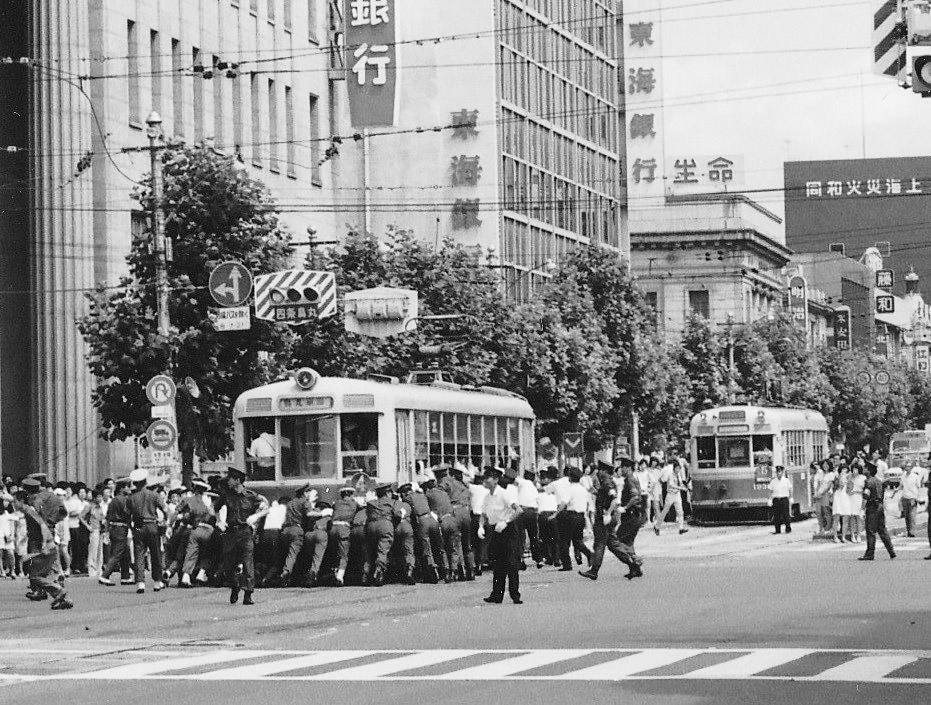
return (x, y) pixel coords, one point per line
(504, 554)
(44, 570)
(119, 553)
(530, 532)
(146, 539)
(910, 514)
(238, 548)
(430, 542)
(379, 536)
(176, 547)
(626, 535)
(549, 536)
(464, 519)
(198, 550)
(339, 537)
(80, 538)
(876, 524)
(605, 538)
(479, 546)
(291, 543)
(781, 514)
(402, 550)
(452, 542)
(315, 543)
(571, 526)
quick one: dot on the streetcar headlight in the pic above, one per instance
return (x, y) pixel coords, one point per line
(306, 378)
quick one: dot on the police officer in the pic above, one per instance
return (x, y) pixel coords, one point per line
(144, 505)
(41, 551)
(428, 537)
(631, 519)
(603, 523)
(379, 535)
(355, 570)
(315, 540)
(402, 551)
(458, 491)
(50, 509)
(502, 509)
(875, 514)
(119, 520)
(292, 531)
(344, 511)
(197, 512)
(243, 509)
(442, 508)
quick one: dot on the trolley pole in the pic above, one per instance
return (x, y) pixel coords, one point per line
(154, 132)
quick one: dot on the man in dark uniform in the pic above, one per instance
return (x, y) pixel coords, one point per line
(875, 514)
(458, 492)
(502, 509)
(379, 535)
(243, 509)
(292, 531)
(51, 509)
(315, 540)
(402, 551)
(632, 518)
(41, 550)
(429, 538)
(344, 511)
(355, 569)
(603, 523)
(197, 512)
(442, 508)
(143, 508)
(119, 520)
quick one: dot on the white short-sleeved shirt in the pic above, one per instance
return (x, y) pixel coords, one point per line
(578, 498)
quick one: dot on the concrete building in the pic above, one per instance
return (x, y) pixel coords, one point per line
(714, 255)
(94, 71)
(507, 135)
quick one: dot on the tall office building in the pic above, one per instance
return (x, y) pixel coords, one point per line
(94, 71)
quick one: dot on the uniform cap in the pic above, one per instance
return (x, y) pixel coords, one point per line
(493, 473)
(323, 504)
(441, 470)
(139, 475)
(575, 473)
(382, 486)
(199, 484)
(627, 463)
(303, 488)
(348, 489)
(232, 471)
(406, 487)
(123, 482)
(605, 467)
(30, 483)
(40, 476)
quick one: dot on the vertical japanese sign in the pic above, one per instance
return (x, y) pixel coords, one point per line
(842, 328)
(643, 86)
(465, 170)
(922, 358)
(798, 302)
(371, 62)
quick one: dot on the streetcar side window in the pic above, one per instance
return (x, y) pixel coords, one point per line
(734, 452)
(359, 444)
(706, 453)
(762, 451)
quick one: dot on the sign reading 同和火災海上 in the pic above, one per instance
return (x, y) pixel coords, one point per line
(371, 62)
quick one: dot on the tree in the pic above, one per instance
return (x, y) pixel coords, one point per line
(702, 361)
(666, 405)
(920, 392)
(214, 212)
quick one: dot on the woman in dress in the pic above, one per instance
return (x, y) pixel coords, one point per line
(840, 507)
(855, 484)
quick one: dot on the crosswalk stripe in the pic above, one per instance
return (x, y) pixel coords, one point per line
(148, 668)
(260, 670)
(510, 666)
(381, 669)
(631, 664)
(866, 668)
(750, 664)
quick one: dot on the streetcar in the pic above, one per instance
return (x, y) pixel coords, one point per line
(734, 450)
(330, 431)
(906, 448)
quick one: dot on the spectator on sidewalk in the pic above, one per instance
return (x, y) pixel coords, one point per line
(824, 496)
(910, 488)
(780, 491)
(840, 505)
(855, 484)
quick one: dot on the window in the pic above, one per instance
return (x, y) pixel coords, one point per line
(313, 117)
(155, 64)
(734, 452)
(289, 128)
(308, 447)
(359, 444)
(421, 437)
(705, 450)
(698, 302)
(818, 439)
(312, 21)
(132, 69)
(177, 86)
(237, 112)
(652, 299)
(271, 10)
(794, 448)
(272, 126)
(261, 448)
(286, 12)
(763, 452)
(403, 439)
(198, 97)
(256, 120)
(219, 85)
(254, 6)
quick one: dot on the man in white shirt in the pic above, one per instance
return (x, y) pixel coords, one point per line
(911, 485)
(780, 499)
(676, 481)
(502, 510)
(547, 518)
(477, 494)
(529, 528)
(881, 466)
(645, 480)
(824, 497)
(572, 520)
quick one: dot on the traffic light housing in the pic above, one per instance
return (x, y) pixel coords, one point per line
(921, 74)
(307, 296)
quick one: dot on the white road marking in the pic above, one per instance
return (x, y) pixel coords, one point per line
(866, 668)
(750, 664)
(258, 671)
(626, 666)
(510, 666)
(375, 671)
(136, 671)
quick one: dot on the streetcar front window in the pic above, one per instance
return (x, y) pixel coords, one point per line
(734, 452)
(308, 447)
(261, 447)
(706, 453)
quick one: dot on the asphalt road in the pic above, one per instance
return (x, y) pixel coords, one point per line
(723, 615)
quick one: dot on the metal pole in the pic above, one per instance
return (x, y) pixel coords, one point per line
(635, 435)
(730, 358)
(154, 123)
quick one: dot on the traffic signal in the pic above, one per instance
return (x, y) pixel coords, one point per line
(921, 74)
(306, 296)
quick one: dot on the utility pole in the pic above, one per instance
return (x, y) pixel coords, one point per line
(154, 132)
(730, 358)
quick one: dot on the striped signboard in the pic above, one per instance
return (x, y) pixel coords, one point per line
(295, 296)
(889, 40)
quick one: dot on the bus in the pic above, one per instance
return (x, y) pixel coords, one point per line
(907, 447)
(330, 431)
(735, 448)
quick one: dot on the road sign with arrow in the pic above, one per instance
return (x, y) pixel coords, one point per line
(230, 284)
(572, 445)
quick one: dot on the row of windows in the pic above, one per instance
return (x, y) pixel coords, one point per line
(482, 440)
(530, 247)
(532, 142)
(542, 93)
(586, 20)
(266, 96)
(560, 203)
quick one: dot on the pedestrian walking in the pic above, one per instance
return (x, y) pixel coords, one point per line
(645, 480)
(547, 518)
(502, 509)
(676, 482)
(119, 519)
(244, 508)
(604, 525)
(910, 485)
(573, 525)
(42, 553)
(875, 515)
(780, 499)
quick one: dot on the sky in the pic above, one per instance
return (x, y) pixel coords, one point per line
(782, 80)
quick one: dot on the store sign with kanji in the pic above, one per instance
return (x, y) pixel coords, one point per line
(842, 328)
(465, 170)
(798, 302)
(869, 187)
(704, 173)
(643, 83)
(371, 62)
